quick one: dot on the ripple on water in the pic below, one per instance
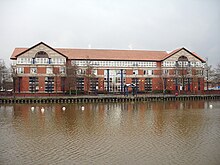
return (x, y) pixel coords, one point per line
(122, 133)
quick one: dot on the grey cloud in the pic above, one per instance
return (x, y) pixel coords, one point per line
(144, 24)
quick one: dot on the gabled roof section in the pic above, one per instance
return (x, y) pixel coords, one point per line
(179, 49)
(19, 51)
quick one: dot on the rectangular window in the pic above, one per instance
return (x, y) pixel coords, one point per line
(80, 84)
(93, 84)
(150, 72)
(33, 70)
(148, 84)
(49, 70)
(166, 71)
(94, 72)
(62, 70)
(135, 81)
(81, 71)
(199, 72)
(20, 70)
(33, 84)
(135, 72)
(49, 84)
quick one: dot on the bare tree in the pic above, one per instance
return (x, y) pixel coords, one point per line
(163, 76)
(14, 78)
(2, 70)
(5, 77)
(214, 76)
(217, 74)
(71, 78)
(90, 77)
(209, 75)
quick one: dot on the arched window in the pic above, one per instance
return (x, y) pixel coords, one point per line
(41, 57)
(183, 62)
(182, 58)
(41, 54)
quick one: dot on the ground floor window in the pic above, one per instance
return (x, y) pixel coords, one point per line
(80, 83)
(135, 81)
(33, 84)
(148, 84)
(93, 84)
(49, 84)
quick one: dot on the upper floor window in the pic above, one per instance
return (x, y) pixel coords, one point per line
(150, 72)
(199, 72)
(41, 60)
(41, 57)
(182, 58)
(20, 70)
(114, 63)
(33, 70)
(94, 71)
(81, 71)
(57, 60)
(49, 70)
(62, 70)
(41, 54)
(135, 72)
(22, 60)
(166, 71)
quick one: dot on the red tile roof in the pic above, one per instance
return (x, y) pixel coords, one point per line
(17, 51)
(103, 54)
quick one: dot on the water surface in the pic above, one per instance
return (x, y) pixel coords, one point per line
(111, 133)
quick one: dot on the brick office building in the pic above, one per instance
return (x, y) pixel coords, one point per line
(43, 70)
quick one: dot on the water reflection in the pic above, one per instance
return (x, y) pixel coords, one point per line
(120, 133)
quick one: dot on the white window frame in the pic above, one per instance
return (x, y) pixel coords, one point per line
(49, 70)
(20, 70)
(33, 70)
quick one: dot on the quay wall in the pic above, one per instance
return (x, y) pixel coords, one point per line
(104, 98)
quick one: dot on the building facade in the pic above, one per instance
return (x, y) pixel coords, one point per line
(42, 71)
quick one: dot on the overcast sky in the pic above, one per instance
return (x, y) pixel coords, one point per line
(112, 24)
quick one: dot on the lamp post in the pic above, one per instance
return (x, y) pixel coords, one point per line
(207, 80)
(207, 74)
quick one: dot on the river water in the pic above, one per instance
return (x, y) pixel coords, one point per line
(154, 133)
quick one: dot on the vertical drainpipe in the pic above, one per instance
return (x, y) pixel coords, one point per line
(165, 85)
(19, 85)
(188, 84)
(122, 81)
(108, 80)
(176, 84)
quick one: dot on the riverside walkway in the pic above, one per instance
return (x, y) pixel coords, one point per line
(104, 98)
